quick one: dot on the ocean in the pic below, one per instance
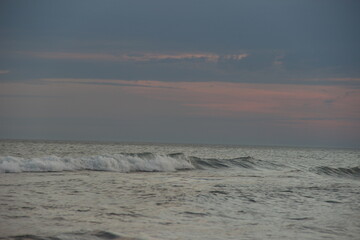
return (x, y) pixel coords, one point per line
(87, 190)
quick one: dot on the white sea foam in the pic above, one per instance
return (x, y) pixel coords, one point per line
(114, 162)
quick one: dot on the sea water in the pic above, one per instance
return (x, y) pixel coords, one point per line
(87, 190)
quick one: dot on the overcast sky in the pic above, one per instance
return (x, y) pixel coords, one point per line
(256, 72)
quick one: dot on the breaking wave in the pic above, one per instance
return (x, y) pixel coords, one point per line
(125, 162)
(146, 162)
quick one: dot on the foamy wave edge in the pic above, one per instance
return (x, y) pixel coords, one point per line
(147, 162)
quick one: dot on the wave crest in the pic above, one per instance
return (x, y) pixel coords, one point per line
(143, 162)
(338, 172)
(240, 162)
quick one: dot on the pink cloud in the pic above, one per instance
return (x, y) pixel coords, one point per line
(4, 71)
(72, 56)
(179, 56)
(136, 57)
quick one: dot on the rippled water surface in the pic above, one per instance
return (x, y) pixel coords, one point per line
(74, 190)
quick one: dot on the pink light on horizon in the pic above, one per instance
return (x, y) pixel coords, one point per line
(288, 101)
(325, 108)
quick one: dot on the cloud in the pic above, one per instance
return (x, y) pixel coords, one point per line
(4, 71)
(235, 56)
(72, 56)
(209, 57)
(355, 82)
(100, 82)
(137, 57)
(26, 96)
(278, 61)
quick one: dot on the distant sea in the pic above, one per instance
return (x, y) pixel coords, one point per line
(87, 190)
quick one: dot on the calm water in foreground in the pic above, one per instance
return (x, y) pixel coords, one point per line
(74, 190)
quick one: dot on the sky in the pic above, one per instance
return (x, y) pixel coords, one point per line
(256, 72)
